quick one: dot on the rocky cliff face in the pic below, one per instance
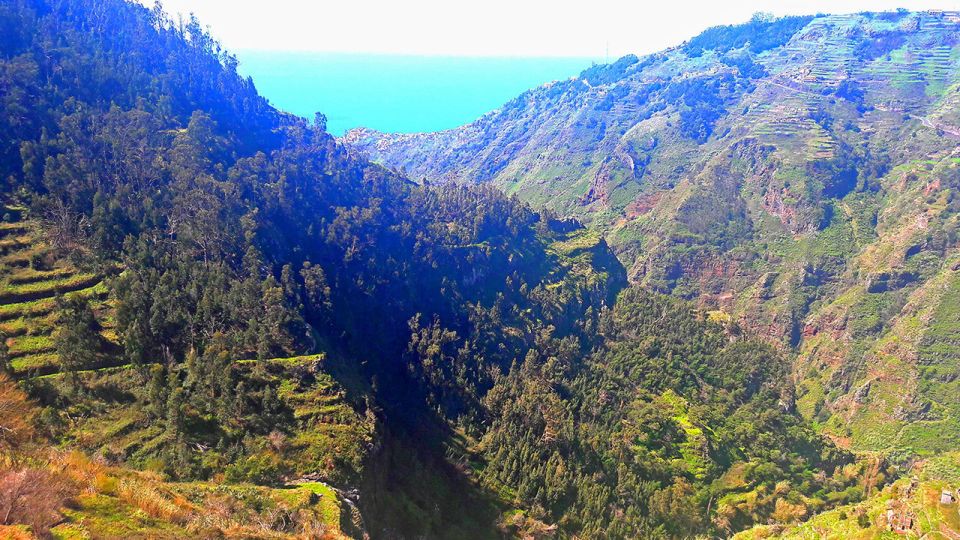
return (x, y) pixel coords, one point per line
(798, 175)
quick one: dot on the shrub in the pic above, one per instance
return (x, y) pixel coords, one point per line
(259, 469)
(32, 497)
(38, 262)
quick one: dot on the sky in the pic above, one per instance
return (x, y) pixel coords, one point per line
(591, 28)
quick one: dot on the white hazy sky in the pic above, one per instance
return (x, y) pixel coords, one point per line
(491, 27)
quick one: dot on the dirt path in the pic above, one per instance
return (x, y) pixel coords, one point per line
(951, 131)
(948, 532)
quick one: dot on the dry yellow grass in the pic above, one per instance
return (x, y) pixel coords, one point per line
(141, 494)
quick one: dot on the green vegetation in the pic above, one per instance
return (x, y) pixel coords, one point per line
(760, 34)
(44, 306)
(222, 322)
(697, 411)
(795, 177)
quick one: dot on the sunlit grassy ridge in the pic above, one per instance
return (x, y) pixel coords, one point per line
(118, 503)
(908, 508)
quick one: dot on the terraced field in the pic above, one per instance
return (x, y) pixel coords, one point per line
(330, 440)
(330, 435)
(832, 60)
(32, 277)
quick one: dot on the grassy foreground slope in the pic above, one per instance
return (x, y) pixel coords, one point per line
(63, 493)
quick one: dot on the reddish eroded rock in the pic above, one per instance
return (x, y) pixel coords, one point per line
(643, 204)
(931, 187)
(773, 203)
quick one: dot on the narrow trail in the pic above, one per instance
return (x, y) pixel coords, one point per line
(952, 132)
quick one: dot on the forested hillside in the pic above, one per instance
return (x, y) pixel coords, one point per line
(795, 177)
(218, 320)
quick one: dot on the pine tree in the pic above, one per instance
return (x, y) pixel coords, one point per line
(158, 390)
(78, 338)
(317, 292)
(279, 325)
(5, 366)
(175, 403)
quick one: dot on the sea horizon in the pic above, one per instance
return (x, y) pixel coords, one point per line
(398, 93)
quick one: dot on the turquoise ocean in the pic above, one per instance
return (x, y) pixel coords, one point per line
(394, 93)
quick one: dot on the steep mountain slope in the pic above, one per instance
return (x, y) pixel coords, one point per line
(796, 176)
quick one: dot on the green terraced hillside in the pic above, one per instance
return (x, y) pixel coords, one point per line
(105, 419)
(329, 445)
(33, 275)
(911, 507)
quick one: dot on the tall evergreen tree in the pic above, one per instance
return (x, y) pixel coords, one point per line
(6, 367)
(77, 338)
